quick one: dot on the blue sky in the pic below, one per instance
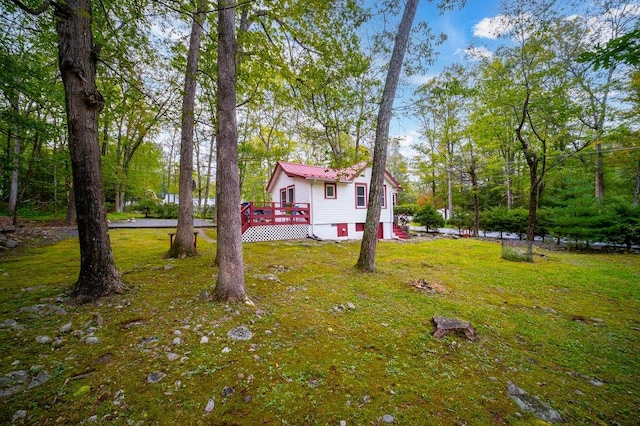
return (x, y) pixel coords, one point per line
(471, 26)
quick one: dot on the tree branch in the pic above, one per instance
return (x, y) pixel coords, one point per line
(32, 11)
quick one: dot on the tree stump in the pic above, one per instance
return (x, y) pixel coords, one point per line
(445, 326)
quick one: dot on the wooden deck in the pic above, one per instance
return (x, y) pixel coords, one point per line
(263, 214)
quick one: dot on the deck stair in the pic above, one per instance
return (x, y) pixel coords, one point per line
(400, 233)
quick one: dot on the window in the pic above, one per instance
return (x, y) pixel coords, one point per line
(330, 190)
(283, 195)
(290, 192)
(383, 204)
(361, 196)
(394, 200)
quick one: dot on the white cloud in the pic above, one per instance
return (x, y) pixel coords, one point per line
(493, 28)
(611, 24)
(419, 80)
(408, 140)
(478, 52)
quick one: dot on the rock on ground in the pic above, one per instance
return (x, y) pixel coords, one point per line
(240, 333)
(531, 404)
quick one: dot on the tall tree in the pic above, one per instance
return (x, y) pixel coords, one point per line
(366, 261)
(492, 122)
(183, 243)
(77, 57)
(536, 87)
(613, 21)
(230, 283)
(443, 100)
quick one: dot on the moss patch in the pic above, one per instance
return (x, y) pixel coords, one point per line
(329, 343)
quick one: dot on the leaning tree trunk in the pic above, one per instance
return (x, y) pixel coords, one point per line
(77, 58)
(230, 284)
(366, 261)
(183, 245)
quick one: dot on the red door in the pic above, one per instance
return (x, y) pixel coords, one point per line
(343, 230)
(380, 235)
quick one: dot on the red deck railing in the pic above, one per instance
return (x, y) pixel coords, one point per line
(261, 214)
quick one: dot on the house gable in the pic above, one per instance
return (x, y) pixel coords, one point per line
(336, 198)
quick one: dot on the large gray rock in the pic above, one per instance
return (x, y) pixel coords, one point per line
(240, 333)
(13, 382)
(40, 378)
(11, 323)
(531, 404)
(155, 377)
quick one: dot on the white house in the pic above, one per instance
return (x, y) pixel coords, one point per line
(319, 202)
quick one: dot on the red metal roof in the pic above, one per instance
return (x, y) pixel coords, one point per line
(322, 173)
(319, 172)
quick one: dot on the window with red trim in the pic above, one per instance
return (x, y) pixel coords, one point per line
(384, 197)
(361, 196)
(330, 190)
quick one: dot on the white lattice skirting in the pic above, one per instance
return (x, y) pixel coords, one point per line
(275, 232)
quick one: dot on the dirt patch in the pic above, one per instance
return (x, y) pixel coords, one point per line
(31, 234)
(428, 287)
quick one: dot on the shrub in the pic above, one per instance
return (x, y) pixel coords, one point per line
(582, 220)
(494, 220)
(406, 209)
(168, 211)
(461, 219)
(517, 221)
(148, 207)
(208, 212)
(626, 225)
(429, 217)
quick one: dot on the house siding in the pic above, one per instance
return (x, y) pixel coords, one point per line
(328, 213)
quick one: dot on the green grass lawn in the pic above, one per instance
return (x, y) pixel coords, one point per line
(566, 328)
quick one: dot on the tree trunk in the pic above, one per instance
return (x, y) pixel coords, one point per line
(599, 182)
(207, 188)
(533, 202)
(476, 203)
(450, 190)
(230, 284)
(170, 167)
(70, 218)
(636, 192)
(183, 243)
(366, 261)
(15, 172)
(119, 199)
(77, 61)
(508, 189)
(433, 189)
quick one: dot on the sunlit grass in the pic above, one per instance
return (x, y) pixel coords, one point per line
(550, 326)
